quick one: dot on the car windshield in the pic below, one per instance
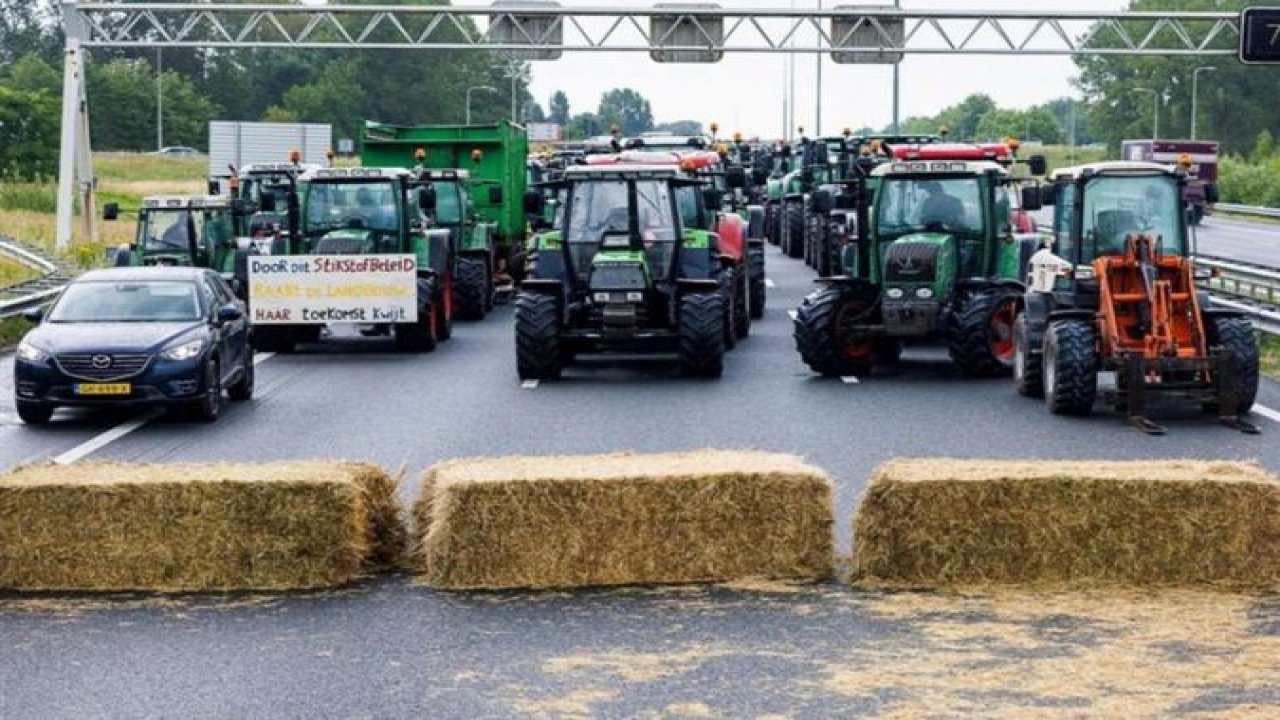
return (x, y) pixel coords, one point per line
(1117, 206)
(167, 231)
(367, 205)
(134, 301)
(908, 205)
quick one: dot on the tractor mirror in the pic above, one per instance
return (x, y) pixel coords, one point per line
(111, 211)
(1031, 198)
(759, 176)
(427, 198)
(534, 202)
(823, 201)
(267, 203)
(1048, 195)
(711, 198)
(495, 195)
(735, 177)
(215, 187)
(1038, 165)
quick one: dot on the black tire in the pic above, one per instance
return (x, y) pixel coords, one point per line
(702, 336)
(980, 332)
(817, 331)
(728, 292)
(274, 339)
(471, 288)
(810, 234)
(1235, 336)
(443, 316)
(888, 351)
(1070, 367)
(773, 224)
(242, 389)
(538, 351)
(123, 257)
(209, 406)
(756, 265)
(793, 238)
(420, 336)
(1028, 366)
(34, 413)
(741, 303)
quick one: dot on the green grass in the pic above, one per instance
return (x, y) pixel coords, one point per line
(1060, 156)
(132, 166)
(1270, 347)
(12, 273)
(12, 330)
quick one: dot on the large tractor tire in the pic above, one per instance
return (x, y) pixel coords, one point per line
(742, 302)
(1028, 365)
(822, 336)
(274, 339)
(810, 234)
(443, 302)
(728, 284)
(793, 230)
(422, 335)
(755, 264)
(773, 224)
(471, 289)
(702, 335)
(1070, 367)
(980, 332)
(538, 355)
(1235, 336)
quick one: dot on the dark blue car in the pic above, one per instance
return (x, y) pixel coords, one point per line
(173, 336)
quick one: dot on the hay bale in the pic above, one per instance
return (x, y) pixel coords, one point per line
(970, 522)
(537, 522)
(114, 526)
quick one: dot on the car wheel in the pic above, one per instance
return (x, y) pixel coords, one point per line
(209, 406)
(242, 389)
(34, 413)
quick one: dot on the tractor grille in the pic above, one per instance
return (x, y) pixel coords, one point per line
(101, 367)
(911, 263)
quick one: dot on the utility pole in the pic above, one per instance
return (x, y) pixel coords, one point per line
(159, 103)
(1195, 95)
(817, 121)
(897, 85)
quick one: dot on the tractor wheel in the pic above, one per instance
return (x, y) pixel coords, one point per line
(1070, 368)
(793, 230)
(773, 224)
(443, 303)
(727, 284)
(810, 235)
(538, 354)
(702, 335)
(273, 339)
(823, 335)
(980, 332)
(471, 289)
(1028, 367)
(741, 302)
(418, 336)
(755, 263)
(1235, 336)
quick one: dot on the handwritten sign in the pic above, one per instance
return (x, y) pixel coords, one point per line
(321, 289)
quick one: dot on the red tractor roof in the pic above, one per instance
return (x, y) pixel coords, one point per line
(686, 161)
(995, 152)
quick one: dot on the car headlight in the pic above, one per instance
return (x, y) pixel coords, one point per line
(31, 353)
(185, 351)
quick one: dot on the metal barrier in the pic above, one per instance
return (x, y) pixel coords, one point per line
(17, 299)
(1254, 210)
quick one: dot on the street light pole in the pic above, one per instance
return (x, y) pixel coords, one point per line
(897, 86)
(469, 90)
(1195, 96)
(817, 121)
(159, 103)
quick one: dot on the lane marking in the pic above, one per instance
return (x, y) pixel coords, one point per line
(104, 439)
(791, 314)
(1267, 413)
(529, 384)
(849, 379)
(769, 283)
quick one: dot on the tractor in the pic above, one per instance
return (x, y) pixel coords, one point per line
(939, 260)
(620, 271)
(191, 230)
(361, 212)
(1116, 293)
(447, 202)
(263, 191)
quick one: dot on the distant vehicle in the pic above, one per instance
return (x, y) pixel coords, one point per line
(1198, 157)
(176, 151)
(171, 336)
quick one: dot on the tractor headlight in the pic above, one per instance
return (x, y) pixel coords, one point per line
(600, 297)
(894, 293)
(635, 297)
(924, 293)
(185, 351)
(31, 353)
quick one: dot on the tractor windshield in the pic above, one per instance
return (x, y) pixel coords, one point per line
(600, 210)
(1117, 206)
(919, 204)
(360, 205)
(166, 231)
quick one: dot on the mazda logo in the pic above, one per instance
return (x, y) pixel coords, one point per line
(101, 362)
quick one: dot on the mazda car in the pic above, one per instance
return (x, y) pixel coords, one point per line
(171, 336)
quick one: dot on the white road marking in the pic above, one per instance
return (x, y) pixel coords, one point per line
(769, 283)
(529, 384)
(792, 314)
(849, 379)
(1267, 413)
(98, 442)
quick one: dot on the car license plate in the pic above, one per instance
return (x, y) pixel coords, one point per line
(103, 389)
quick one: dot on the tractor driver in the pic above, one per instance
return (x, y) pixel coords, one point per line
(940, 208)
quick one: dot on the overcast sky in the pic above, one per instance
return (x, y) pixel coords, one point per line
(744, 91)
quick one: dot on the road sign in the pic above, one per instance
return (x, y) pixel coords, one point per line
(1260, 35)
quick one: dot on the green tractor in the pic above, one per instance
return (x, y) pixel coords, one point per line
(350, 212)
(448, 204)
(619, 271)
(941, 259)
(190, 230)
(263, 191)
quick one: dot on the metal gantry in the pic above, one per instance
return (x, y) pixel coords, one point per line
(542, 30)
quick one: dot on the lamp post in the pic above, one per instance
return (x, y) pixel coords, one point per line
(159, 103)
(1155, 114)
(1195, 97)
(469, 90)
(897, 83)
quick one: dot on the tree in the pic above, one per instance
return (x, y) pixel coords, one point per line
(122, 112)
(584, 125)
(1034, 124)
(533, 112)
(627, 109)
(680, 127)
(28, 27)
(559, 108)
(33, 74)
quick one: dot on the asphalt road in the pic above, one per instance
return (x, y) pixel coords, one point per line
(1256, 243)
(389, 649)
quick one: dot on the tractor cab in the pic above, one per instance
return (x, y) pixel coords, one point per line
(354, 211)
(263, 190)
(195, 231)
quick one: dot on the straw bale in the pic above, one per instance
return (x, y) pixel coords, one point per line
(940, 522)
(180, 527)
(617, 519)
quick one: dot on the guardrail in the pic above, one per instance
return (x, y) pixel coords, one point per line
(1253, 210)
(17, 299)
